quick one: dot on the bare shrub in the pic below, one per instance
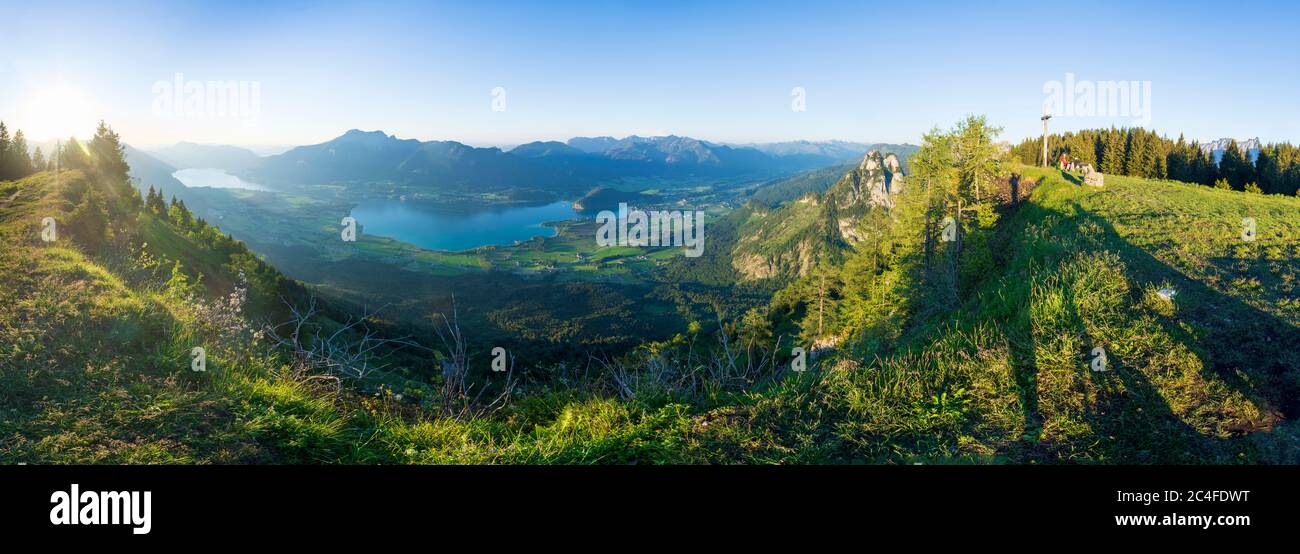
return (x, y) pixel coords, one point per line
(352, 350)
(728, 366)
(457, 392)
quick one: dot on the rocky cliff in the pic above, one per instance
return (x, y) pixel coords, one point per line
(789, 239)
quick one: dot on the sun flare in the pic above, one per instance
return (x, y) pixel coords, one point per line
(58, 112)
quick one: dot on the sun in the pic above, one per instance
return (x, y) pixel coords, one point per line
(57, 112)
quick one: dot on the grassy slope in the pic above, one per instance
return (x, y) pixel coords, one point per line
(1203, 378)
(1206, 377)
(94, 369)
(1209, 377)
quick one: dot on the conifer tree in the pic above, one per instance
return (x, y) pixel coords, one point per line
(1112, 158)
(72, 155)
(109, 153)
(38, 160)
(88, 221)
(1267, 171)
(1231, 166)
(16, 160)
(4, 152)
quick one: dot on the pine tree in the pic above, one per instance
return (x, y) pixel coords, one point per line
(110, 161)
(1231, 166)
(977, 157)
(4, 152)
(1112, 158)
(1175, 160)
(1206, 172)
(1138, 161)
(1082, 148)
(17, 160)
(38, 160)
(72, 155)
(109, 153)
(180, 214)
(1267, 171)
(934, 174)
(154, 201)
(89, 221)
(1159, 159)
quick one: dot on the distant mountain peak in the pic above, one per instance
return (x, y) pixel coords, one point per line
(1222, 143)
(186, 155)
(1248, 148)
(546, 148)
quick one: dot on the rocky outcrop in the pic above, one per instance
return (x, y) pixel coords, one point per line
(893, 174)
(873, 183)
(1092, 177)
(791, 238)
(799, 260)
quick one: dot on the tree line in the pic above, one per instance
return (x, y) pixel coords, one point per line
(1139, 152)
(15, 163)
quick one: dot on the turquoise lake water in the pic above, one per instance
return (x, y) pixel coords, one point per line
(213, 178)
(439, 228)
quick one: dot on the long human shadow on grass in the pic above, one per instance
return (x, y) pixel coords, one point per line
(1136, 423)
(1226, 334)
(1022, 346)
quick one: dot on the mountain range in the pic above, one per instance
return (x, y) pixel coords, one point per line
(187, 155)
(573, 166)
(838, 150)
(1247, 147)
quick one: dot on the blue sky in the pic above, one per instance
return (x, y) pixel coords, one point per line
(722, 71)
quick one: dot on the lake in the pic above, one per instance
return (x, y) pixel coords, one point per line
(213, 178)
(438, 228)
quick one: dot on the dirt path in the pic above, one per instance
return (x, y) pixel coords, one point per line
(6, 202)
